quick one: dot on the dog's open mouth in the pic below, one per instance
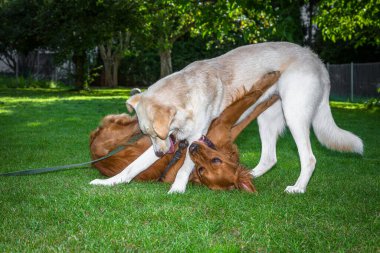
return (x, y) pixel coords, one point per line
(172, 144)
(207, 141)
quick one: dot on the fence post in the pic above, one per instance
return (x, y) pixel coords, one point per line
(38, 64)
(352, 82)
(17, 67)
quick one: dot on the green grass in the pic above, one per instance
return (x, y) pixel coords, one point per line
(61, 212)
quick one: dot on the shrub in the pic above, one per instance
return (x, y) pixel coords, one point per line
(29, 82)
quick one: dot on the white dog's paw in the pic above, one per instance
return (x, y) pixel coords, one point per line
(294, 189)
(102, 182)
(176, 188)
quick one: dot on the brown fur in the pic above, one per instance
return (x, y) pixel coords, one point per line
(116, 130)
(218, 167)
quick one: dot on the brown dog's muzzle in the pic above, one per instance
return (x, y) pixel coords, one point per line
(194, 147)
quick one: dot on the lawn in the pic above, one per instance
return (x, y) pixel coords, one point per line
(60, 211)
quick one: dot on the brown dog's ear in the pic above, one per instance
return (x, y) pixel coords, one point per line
(132, 102)
(162, 118)
(244, 181)
(246, 186)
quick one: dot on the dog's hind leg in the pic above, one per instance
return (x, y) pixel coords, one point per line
(300, 134)
(299, 105)
(271, 125)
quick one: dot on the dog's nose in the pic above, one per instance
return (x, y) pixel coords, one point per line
(183, 144)
(159, 153)
(193, 147)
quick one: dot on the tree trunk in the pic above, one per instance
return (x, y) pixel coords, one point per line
(166, 62)
(111, 55)
(106, 55)
(310, 11)
(115, 73)
(108, 72)
(79, 59)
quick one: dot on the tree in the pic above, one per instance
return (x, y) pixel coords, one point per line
(111, 53)
(355, 21)
(70, 28)
(75, 28)
(219, 21)
(118, 21)
(287, 21)
(229, 21)
(19, 34)
(165, 22)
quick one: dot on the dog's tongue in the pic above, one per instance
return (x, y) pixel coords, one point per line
(172, 143)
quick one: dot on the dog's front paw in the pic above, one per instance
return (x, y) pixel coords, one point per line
(102, 182)
(176, 188)
(256, 173)
(294, 189)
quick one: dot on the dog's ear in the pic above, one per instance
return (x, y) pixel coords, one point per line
(246, 186)
(162, 118)
(244, 181)
(132, 102)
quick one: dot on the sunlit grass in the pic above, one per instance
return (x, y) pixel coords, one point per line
(348, 105)
(62, 212)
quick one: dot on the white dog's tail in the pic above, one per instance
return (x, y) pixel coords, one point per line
(330, 135)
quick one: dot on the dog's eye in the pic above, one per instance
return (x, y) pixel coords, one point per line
(200, 170)
(216, 160)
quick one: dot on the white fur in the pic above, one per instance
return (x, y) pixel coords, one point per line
(137, 166)
(202, 90)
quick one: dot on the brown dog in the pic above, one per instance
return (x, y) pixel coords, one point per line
(116, 130)
(216, 156)
(122, 129)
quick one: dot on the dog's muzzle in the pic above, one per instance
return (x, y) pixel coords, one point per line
(207, 141)
(194, 147)
(171, 150)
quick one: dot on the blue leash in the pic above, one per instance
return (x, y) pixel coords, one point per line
(63, 167)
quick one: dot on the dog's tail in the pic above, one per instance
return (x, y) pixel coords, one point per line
(330, 135)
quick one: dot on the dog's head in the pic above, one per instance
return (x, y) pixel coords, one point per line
(155, 120)
(218, 167)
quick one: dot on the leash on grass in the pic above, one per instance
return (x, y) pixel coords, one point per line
(63, 167)
(182, 145)
(70, 166)
(177, 155)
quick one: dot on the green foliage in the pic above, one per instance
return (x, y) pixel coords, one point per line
(356, 21)
(373, 102)
(73, 29)
(166, 21)
(62, 212)
(20, 26)
(142, 68)
(287, 21)
(27, 82)
(223, 22)
(93, 74)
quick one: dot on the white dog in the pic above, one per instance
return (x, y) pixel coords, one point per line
(184, 104)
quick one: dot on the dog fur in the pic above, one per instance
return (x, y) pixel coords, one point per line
(216, 156)
(122, 129)
(185, 103)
